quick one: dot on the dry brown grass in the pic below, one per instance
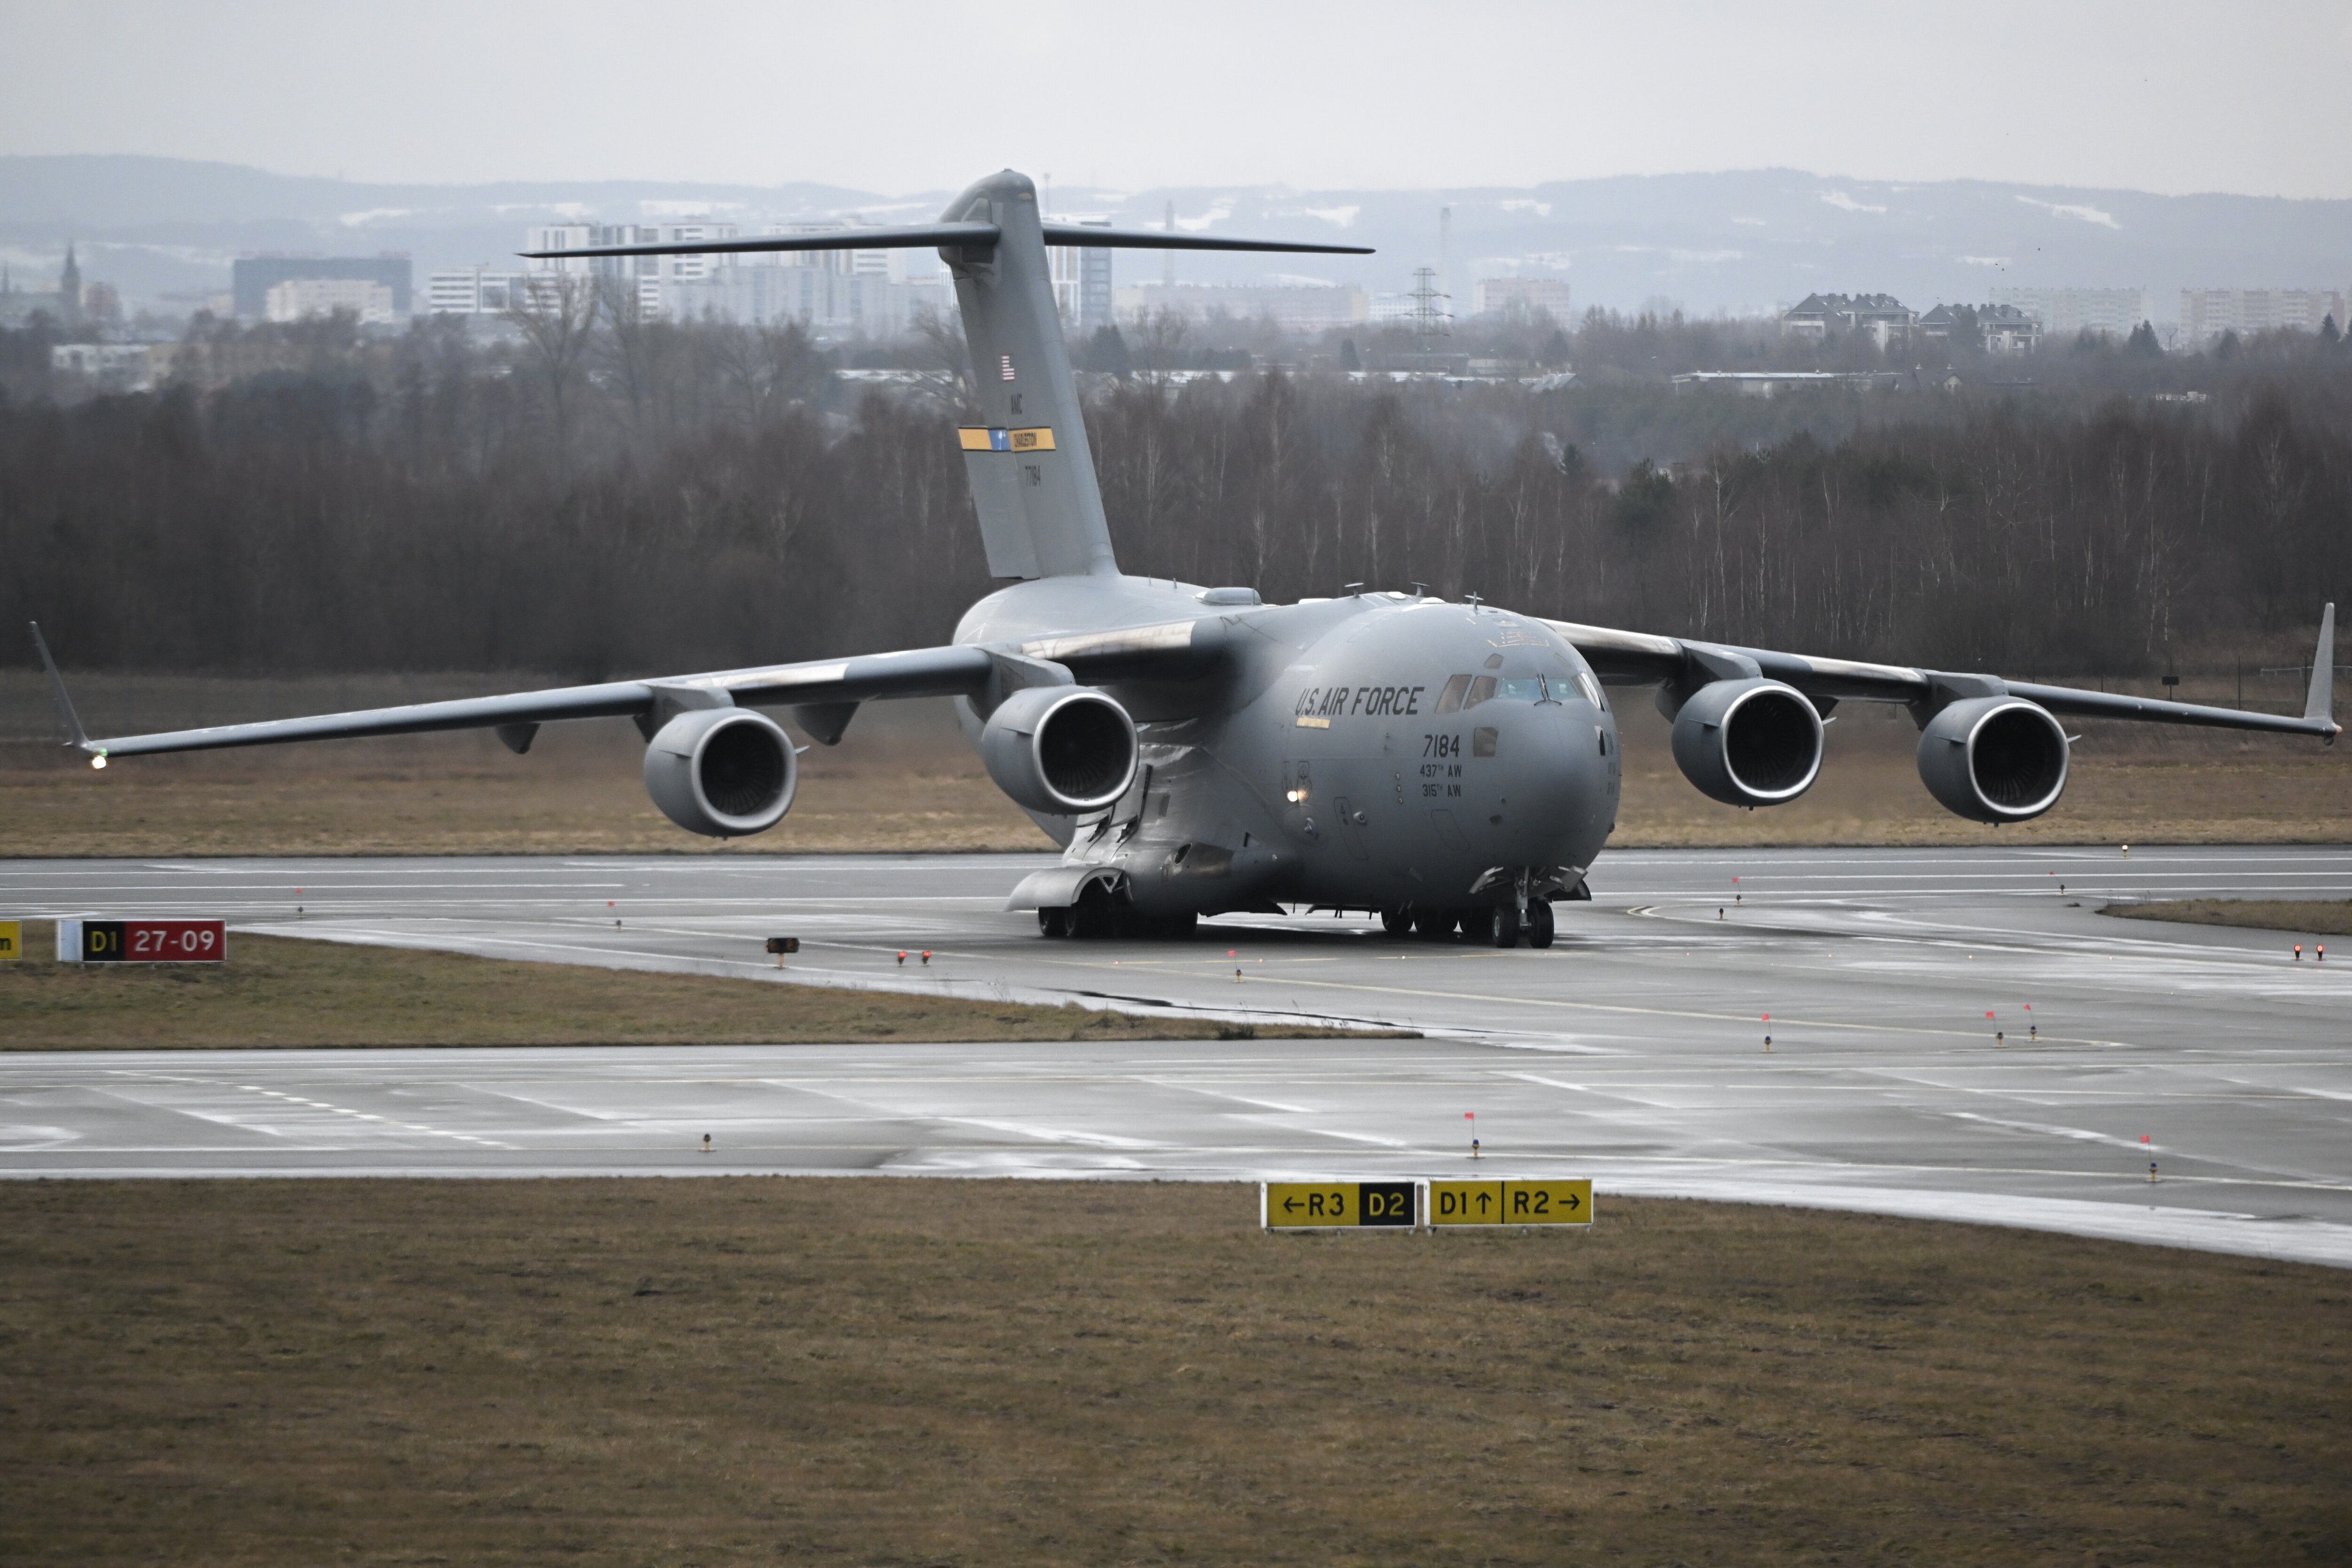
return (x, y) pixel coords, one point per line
(2327, 917)
(277, 992)
(899, 1372)
(904, 781)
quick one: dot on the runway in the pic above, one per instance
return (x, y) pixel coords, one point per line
(1633, 1052)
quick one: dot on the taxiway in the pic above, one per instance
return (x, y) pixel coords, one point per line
(1632, 1051)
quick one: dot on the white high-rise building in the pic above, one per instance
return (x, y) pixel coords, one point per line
(473, 292)
(2209, 312)
(1082, 279)
(853, 292)
(849, 292)
(1494, 296)
(656, 270)
(2063, 312)
(298, 298)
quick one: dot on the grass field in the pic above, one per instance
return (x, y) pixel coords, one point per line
(280, 992)
(885, 1371)
(904, 780)
(2310, 918)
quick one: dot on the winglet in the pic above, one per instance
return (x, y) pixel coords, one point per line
(57, 692)
(2321, 702)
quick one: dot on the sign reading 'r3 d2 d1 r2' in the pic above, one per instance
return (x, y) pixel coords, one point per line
(1326, 1206)
(1510, 1203)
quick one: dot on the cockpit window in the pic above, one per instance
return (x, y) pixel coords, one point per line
(1481, 689)
(1516, 690)
(1450, 700)
(1591, 689)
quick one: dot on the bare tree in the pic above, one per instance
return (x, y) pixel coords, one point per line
(557, 318)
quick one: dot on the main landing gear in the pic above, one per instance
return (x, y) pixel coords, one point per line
(1101, 918)
(1501, 924)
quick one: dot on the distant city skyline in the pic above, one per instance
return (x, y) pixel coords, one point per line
(164, 233)
(2171, 98)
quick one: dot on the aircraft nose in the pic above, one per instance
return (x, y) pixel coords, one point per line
(1566, 764)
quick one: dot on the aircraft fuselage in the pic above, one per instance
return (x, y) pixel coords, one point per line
(1378, 751)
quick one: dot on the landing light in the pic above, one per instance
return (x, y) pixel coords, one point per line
(99, 762)
(1294, 796)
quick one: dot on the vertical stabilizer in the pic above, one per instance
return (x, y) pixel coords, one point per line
(1033, 474)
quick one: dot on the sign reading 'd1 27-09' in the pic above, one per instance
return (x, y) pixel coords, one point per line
(141, 942)
(1322, 1206)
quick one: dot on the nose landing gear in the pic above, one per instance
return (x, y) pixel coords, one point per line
(1505, 926)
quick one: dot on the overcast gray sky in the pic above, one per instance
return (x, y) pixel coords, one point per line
(912, 94)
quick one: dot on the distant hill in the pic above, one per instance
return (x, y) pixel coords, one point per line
(1744, 241)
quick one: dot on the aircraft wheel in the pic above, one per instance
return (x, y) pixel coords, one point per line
(1396, 922)
(1090, 917)
(1539, 924)
(1503, 925)
(1432, 925)
(1054, 922)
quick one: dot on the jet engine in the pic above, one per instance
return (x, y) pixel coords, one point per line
(1749, 742)
(1060, 748)
(1994, 759)
(724, 773)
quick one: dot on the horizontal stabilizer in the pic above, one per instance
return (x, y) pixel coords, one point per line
(971, 235)
(965, 236)
(1093, 238)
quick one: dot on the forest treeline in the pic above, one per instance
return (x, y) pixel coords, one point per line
(726, 499)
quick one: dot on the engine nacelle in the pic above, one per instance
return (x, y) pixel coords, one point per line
(1060, 750)
(1749, 742)
(724, 773)
(1994, 759)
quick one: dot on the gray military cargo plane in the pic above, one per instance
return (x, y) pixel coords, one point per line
(1196, 751)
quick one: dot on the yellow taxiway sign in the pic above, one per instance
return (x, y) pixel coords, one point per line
(1321, 1206)
(1514, 1202)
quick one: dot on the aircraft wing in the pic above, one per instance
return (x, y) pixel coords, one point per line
(1642, 659)
(838, 683)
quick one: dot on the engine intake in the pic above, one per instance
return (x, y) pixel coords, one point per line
(1994, 759)
(724, 773)
(1060, 748)
(1749, 742)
